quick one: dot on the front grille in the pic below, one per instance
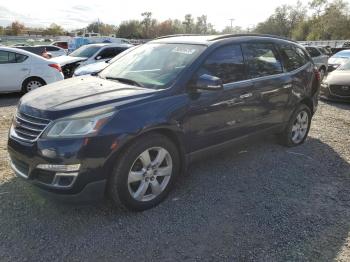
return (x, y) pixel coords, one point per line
(29, 128)
(339, 90)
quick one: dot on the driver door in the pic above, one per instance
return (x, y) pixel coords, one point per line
(215, 117)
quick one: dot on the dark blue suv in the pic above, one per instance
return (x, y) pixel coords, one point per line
(130, 131)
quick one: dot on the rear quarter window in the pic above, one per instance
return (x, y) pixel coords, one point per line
(293, 57)
(262, 59)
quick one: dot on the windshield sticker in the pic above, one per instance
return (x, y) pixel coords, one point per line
(183, 50)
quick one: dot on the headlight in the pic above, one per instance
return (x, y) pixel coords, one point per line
(82, 124)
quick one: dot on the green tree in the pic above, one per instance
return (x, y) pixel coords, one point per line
(17, 27)
(54, 30)
(130, 29)
(147, 23)
(101, 28)
(189, 24)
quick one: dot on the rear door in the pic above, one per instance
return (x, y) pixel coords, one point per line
(13, 70)
(299, 67)
(272, 86)
(215, 117)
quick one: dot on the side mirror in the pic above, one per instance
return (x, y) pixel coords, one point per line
(98, 57)
(210, 83)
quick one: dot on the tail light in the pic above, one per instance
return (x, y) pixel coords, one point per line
(56, 66)
(317, 74)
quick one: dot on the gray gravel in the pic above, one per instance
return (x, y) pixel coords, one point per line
(259, 202)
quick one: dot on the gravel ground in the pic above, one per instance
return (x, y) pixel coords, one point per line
(260, 202)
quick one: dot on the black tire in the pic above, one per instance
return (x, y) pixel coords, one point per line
(287, 134)
(26, 84)
(118, 187)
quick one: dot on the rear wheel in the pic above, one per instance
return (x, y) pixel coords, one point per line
(32, 83)
(144, 173)
(298, 127)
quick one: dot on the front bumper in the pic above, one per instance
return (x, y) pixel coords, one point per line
(89, 155)
(325, 93)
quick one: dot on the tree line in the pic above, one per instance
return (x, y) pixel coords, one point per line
(318, 20)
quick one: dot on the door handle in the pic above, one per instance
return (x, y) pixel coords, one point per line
(24, 69)
(247, 95)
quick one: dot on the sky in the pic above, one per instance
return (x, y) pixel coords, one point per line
(73, 14)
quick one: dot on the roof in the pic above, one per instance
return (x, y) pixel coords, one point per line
(110, 44)
(19, 51)
(209, 39)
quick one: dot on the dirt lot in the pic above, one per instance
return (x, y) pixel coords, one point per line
(261, 202)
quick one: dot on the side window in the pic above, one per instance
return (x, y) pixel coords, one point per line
(226, 63)
(10, 57)
(293, 57)
(20, 58)
(51, 48)
(262, 59)
(4, 57)
(313, 51)
(107, 53)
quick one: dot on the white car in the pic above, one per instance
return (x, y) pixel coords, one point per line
(54, 51)
(95, 68)
(24, 71)
(89, 54)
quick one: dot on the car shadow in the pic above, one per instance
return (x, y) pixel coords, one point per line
(9, 99)
(258, 202)
(338, 104)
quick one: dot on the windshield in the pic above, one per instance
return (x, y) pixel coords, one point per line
(153, 65)
(85, 51)
(342, 55)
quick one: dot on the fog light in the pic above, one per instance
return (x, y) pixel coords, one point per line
(59, 168)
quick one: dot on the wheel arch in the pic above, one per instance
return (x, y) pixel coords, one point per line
(174, 136)
(31, 78)
(309, 103)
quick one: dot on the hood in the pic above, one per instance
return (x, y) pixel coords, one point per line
(65, 59)
(337, 60)
(90, 69)
(78, 94)
(339, 77)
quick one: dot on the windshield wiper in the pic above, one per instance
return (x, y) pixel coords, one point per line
(126, 80)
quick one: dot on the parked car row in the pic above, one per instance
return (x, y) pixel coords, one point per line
(89, 54)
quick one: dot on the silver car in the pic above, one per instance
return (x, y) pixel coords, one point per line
(337, 84)
(320, 59)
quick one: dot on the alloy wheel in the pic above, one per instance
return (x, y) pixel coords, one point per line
(300, 127)
(150, 174)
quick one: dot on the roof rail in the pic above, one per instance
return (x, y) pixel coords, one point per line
(239, 35)
(168, 36)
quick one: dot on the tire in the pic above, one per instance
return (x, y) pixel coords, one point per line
(297, 131)
(132, 174)
(32, 83)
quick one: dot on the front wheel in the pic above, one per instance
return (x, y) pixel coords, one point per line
(144, 173)
(298, 127)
